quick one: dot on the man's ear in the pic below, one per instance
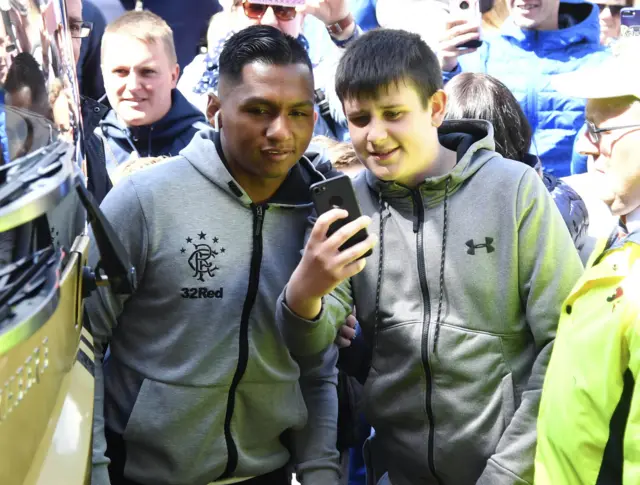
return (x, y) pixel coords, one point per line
(438, 104)
(315, 117)
(213, 106)
(175, 75)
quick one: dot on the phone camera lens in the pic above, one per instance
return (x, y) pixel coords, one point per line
(464, 5)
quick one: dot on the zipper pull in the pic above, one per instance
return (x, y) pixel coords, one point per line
(416, 211)
(259, 219)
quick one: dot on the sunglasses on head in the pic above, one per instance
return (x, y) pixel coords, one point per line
(256, 11)
(614, 9)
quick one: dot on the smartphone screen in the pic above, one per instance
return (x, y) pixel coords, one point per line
(338, 193)
(629, 22)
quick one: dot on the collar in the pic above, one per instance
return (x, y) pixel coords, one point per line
(633, 221)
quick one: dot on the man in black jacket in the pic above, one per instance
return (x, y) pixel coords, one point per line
(98, 181)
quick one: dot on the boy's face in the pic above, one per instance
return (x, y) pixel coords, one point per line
(395, 135)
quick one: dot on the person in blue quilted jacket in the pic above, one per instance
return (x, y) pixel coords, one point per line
(539, 40)
(479, 96)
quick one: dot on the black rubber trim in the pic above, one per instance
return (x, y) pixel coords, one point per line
(86, 361)
(87, 343)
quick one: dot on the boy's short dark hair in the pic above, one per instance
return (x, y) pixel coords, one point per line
(260, 43)
(383, 57)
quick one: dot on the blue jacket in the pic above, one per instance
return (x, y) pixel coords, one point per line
(165, 137)
(527, 60)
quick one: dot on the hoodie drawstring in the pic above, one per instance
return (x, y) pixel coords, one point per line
(384, 214)
(442, 260)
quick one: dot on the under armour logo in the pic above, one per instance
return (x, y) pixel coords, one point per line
(488, 245)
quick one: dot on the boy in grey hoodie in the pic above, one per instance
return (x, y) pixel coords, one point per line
(460, 299)
(199, 386)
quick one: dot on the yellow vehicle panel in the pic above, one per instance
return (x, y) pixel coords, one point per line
(46, 391)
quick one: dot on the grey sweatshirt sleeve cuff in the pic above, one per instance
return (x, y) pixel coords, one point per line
(304, 337)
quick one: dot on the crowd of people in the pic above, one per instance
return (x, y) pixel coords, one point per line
(475, 336)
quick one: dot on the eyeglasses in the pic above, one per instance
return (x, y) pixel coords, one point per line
(593, 132)
(256, 11)
(614, 9)
(80, 30)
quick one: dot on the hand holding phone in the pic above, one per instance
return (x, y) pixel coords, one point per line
(336, 248)
(462, 33)
(338, 193)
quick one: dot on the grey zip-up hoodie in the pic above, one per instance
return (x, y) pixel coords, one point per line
(199, 382)
(459, 303)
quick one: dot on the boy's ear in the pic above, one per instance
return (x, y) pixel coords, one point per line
(438, 104)
(213, 106)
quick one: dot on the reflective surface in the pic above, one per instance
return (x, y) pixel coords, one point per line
(46, 372)
(39, 93)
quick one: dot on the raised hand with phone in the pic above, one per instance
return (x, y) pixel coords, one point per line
(462, 33)
(329, 257)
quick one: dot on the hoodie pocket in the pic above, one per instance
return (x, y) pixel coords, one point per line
(175, 433)
(508, 399)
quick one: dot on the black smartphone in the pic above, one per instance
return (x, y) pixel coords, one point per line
(338, 193)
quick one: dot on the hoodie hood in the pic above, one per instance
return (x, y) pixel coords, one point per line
(206, 155)
(579, 24)
(472, 140)
(157, 138)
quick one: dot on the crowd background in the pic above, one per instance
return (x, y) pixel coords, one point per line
(507, 80)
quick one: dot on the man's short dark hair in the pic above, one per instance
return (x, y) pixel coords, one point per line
(25, 72)
(260, 43)
(383, 57)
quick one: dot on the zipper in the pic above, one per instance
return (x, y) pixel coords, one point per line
(418, 228)
(243, 351)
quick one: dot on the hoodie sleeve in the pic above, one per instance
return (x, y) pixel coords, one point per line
(309, 337)
(314, 446)
(123, 210)
(544, 242)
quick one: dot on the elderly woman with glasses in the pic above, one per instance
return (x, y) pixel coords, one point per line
(315, 24)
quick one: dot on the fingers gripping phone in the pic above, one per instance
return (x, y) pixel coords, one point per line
(338, 193)
(469, 10)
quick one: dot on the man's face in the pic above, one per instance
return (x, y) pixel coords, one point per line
(138, 78)
(394, 135)
(616, 164)
(291, 27)
(535, 14)
(267, 119)
(74, 15)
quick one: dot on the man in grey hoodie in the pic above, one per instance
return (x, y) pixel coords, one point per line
(460, 299)
(199, 387)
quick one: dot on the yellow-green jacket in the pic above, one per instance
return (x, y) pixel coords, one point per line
(589, 421)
